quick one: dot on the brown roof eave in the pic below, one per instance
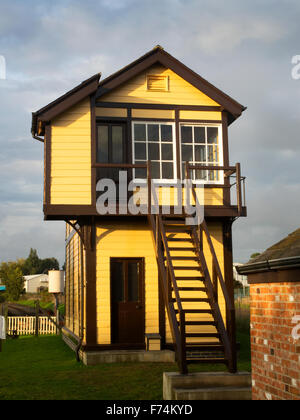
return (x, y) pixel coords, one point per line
(158, 54)
(65, 101)
(269, 265)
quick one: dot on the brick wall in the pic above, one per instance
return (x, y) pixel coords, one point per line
(275, 354)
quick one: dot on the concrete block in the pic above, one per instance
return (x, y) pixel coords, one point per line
(172, 380)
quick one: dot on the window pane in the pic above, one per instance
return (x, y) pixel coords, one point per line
(167, 152)
(133, 282)
(200, 175)
(140, 150)
(117, 144)
(117, 276)
(155, 170)
(199, 134)
(187, 153)
(141, 173)
(140, 132)
(167, 170)
(166, 133)
(212, 152)
(200, 154)
(186, 134)
(102, 144)
(153, 151)
(212, 135)
(153, 132)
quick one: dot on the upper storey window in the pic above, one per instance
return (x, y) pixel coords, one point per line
(201, 145)
(155, 142)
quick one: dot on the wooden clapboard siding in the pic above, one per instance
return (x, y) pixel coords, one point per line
(180, 91)
(71, 156)
(111, 112)
(200, 115)
(216, 232)
(73, 282)
(125, 240)
(153, 113)
(168, 196)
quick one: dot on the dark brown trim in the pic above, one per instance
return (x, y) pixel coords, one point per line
(226, 193)
(47, 165)
(178, 141)
(200, 121)
(228, 259)
(93, 150)
(65, 101)
(171, 107)
(111, 119)
(276, 276)
(62, 211)
(162, 314)
(90, 290)
(228, 278)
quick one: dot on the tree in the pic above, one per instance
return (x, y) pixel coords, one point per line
(48, 264)
(12, 277)
(256, 254)
(35, 265)
(32, 263)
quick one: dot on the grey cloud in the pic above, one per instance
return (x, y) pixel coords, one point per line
(52, 46)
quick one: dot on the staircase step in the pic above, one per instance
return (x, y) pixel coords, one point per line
(190, 278)
(203, 335)
(196, 311)
(182, 249)
(204, 346)
(217, 394)
(200, 323)
(174, 222)
(203, 300)
(179, 239)
(192, 289)
(178, 229)
(206, 360)
(184, 258)
(184, 267)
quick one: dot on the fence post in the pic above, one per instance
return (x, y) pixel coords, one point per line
(37, 311)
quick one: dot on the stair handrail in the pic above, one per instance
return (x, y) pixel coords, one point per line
(157, 226)
(204, 227)
(228, 334)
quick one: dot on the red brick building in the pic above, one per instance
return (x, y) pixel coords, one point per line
(274, 278)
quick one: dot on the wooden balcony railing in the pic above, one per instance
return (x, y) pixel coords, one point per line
(232, 177)
(229, 173)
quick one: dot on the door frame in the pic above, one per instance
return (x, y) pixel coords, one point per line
(143, 302)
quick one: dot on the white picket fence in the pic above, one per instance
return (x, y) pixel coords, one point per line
(25, 325)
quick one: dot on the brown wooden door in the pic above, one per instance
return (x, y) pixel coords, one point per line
(127, 301)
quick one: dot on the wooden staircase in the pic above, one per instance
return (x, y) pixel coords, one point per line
(191, 295)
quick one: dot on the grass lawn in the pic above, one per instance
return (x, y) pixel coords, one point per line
(45, 368)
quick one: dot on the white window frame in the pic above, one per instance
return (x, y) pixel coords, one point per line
(163, 180)
(220, 144)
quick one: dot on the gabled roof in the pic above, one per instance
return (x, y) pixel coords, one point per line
(156, 55)
(159, 55)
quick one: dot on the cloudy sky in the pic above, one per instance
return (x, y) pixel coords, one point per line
(243, 47)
